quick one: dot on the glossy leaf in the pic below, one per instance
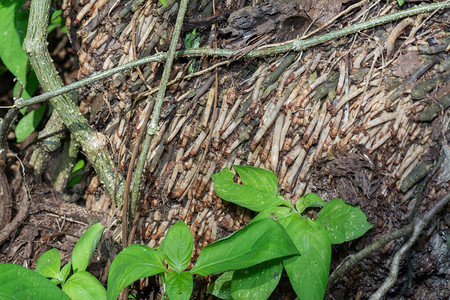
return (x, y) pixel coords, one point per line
(178, 246)
(29, 123)
(257, 242)
(308, 273)
(85, 247)
(281, 214)
(49, 263)
(260, 189)
(221, 288)
(309, 200)
(17, 282)
(83, 285)
(179, 286)
(132, 263)
(13, 29)
(343, 222)
(256, 282)
(79, 166)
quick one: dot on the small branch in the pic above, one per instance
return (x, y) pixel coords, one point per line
(293, 45)
(153, 127)
(94, 144)
(350, 261)
(418, 227)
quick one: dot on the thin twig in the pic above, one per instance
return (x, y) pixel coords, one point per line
(152, 128)
(350, 261)
(419, 225)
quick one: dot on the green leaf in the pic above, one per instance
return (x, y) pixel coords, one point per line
(85, 247)
(256, 282)
(49, 263)
(17, 282)
(400, 2)
(13, 29)
(29, 123)
(132, 263)
(56, 21)
(308, 273)
(83, 285)
(76, 178)
(309, 200)
(179, 286)
(343, 222)
(163, 2)
(189, 38)
(79, 166)
(65, 271)
(257, 242)
(281, 214)
(178, 244)
(160, 250)
(260, 189)
(221, 288)
(62, 275)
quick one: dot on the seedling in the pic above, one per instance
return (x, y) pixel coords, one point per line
(336, 223)
(251, 259)
(17, 282)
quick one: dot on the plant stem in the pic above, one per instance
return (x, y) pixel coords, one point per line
(293, 45)
(153, 127)
(94, 144)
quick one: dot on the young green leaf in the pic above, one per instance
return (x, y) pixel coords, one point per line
(221, 288)
(178, 244)
(309, 200)
(260, 189)
(132, 263)
(13, 29)
(29, 123)
(17, 282)
(83, 285)
(257, 242)
(281, 214)
(308, 273)
(256, 282)
(49, 263)
(85, 247)
(79, 166)
(62, 275)
(343, 222)
(75, 177)
(179, 286)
